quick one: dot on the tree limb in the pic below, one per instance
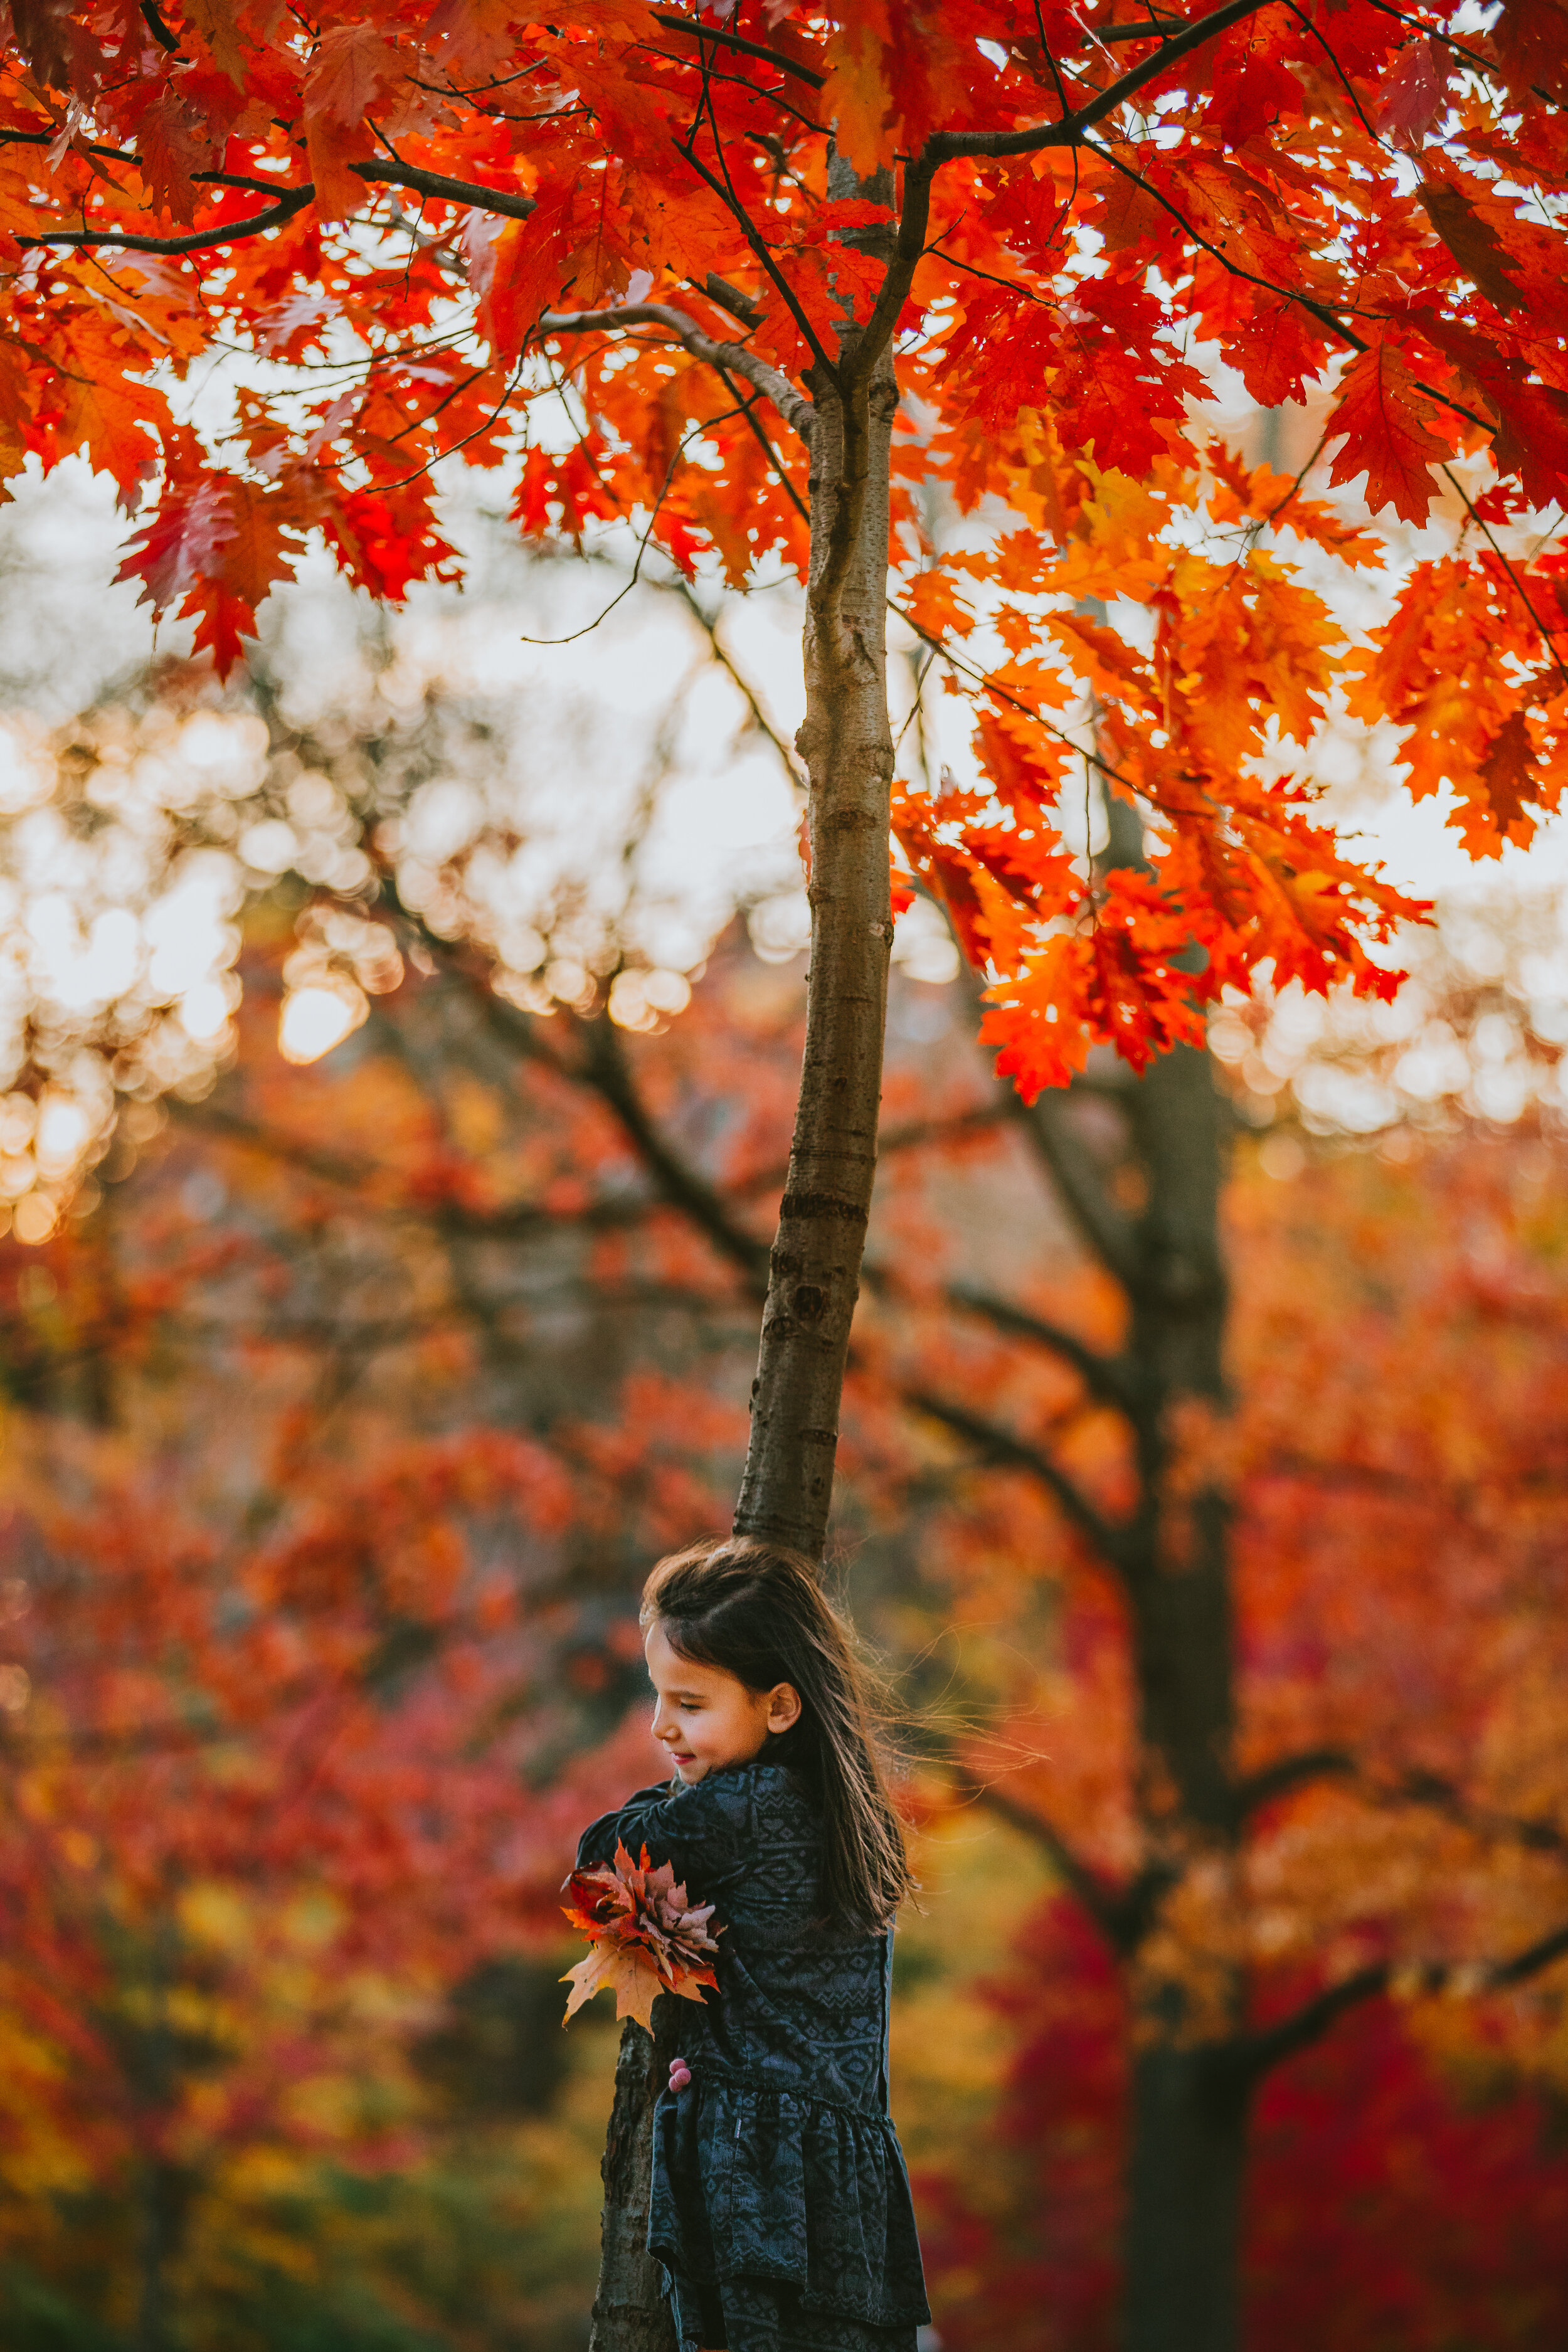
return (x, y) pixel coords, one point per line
(1122, 1914)
(1288, 1773)
(947, 146)
(1108, 1377)
(606, 1070)
(1072, 1169)
(763, 256)
(1252, 2054)
(290, 200)
(506, 202)
(735, 41)
(792, 406)
(1000, 1446)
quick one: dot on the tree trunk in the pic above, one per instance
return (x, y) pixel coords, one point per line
(814, 1275)
(1187, 2120)
(631, 2313)
(1188, 2147)
(1180, 1585)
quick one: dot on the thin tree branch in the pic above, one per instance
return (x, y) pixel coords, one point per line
(1527, 1963)
(1534, 1831)
(1253, 2054)
(918, 1131)
(1072, 1169)
(506, 202)
(1455, 484)
(290, 202)
(747, 227)
(1434, 33)
(1108, 1377)
(1157, 28)
(1068, 131)
(607, 1072)
(792, 406)
(451, 1218)
(197, 240)
(709, 625)
(1122, 1914)
(736, 41)
(946, 145)
(999, 1445)
(999, 694)
(730, 297)
(167, 41)
(1288, 1773)
(1318, 310)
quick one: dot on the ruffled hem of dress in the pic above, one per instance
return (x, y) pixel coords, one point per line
(796, 2196)
(753, 2314)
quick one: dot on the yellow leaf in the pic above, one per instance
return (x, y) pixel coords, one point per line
(633, 1980)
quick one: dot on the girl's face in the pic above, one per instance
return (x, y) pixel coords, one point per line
(705, 1718)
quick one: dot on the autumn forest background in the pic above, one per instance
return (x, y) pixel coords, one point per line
(366, 1331)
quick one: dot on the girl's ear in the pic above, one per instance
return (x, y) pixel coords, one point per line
(783, 1706)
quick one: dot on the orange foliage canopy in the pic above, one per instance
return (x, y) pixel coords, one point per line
(381, 213)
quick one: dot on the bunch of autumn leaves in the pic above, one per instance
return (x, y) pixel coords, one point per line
(646, 1936)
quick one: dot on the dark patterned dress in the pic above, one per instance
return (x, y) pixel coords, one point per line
(781, 2207)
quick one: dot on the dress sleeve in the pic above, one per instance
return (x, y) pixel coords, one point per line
(705, 1831)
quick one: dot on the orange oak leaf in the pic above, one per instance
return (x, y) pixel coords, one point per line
(114, 421)
(857, 96)
(172, 145)
(1531, 37)
(215, 546)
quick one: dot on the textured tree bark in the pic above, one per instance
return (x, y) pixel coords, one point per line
(631, 2313)
(847, 743)
(814, 1275)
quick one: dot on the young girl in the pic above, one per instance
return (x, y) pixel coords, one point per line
(781, 2207)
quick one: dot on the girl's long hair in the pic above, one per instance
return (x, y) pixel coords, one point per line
(758, 1611)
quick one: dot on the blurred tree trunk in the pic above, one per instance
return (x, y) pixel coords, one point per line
(1154, 1222)
(1189, 2107)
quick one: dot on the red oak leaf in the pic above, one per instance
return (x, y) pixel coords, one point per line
(1385, 420)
